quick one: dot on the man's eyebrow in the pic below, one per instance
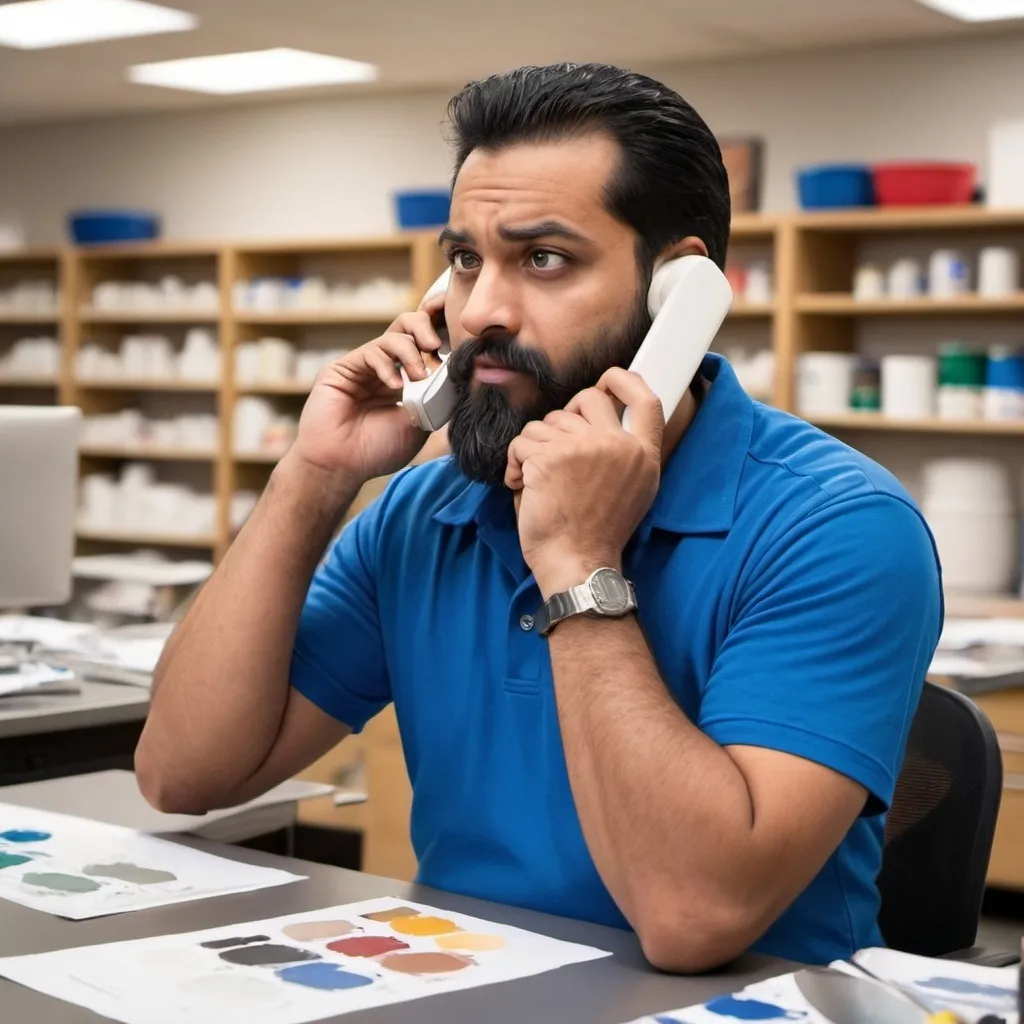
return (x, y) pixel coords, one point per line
(449, 234)
(527, 233)
(544, 229)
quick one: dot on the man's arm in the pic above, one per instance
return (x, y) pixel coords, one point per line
(701, 847)
(705, 831)
(224, 725)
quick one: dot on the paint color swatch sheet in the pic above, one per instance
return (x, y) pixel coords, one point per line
(295, 969)
(968, 990)
(76, 868)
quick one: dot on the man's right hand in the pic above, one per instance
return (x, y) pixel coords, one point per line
(353, 425)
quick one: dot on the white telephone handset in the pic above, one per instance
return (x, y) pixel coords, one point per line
(688, 299)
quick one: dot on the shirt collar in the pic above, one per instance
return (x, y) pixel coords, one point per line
(697, 493)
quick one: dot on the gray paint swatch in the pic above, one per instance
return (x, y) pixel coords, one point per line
(60, 882)
(267, 956)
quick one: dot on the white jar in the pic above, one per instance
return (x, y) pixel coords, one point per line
(825, 382)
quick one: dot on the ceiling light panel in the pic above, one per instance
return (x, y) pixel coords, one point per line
(40, 24)
(978, 10)
(256, 71)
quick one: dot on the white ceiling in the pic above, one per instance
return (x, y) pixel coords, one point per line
(423, 44)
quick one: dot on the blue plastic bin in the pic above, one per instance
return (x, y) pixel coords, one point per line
(89, 226)
(835, 185)
(427, 209)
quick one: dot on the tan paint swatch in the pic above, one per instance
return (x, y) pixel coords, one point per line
(468, 942)
(425, 963)
(311, 931)
(134, 873)
(390, 915)
(423, 926)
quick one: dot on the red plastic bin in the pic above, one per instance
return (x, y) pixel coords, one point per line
(924, 184)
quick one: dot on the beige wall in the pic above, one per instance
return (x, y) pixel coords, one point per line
(329, 166)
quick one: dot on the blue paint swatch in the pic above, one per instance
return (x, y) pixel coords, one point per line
(749, 1009)
(961, 987)
(22, 835)
(326, 977)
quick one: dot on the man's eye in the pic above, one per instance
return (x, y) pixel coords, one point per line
(544, 260)
(463, 260)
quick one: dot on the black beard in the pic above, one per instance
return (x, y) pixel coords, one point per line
(485, 421)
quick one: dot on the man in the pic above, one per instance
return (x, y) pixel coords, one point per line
(710, 769)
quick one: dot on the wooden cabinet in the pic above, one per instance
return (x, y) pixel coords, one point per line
(1006, 710)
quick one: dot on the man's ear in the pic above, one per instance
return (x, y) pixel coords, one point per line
(689, 246)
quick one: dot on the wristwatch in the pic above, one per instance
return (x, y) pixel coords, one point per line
(605, 593)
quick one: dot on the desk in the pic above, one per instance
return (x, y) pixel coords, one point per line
(48, 736)
(605, 991)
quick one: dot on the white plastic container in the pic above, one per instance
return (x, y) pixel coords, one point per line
(968, 503)
(909, 386)
(825, 382)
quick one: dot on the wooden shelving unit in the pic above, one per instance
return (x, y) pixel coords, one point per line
(162, 453)
(877, 422)
(812, 255)
(137, 539)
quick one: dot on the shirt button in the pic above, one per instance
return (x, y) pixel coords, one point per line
(526, 623)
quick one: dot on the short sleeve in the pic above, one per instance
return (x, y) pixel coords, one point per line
(834, 631)
(338, 661)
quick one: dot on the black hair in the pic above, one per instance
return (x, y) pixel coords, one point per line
(671, 181)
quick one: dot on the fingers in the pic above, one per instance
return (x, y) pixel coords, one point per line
(521, 448)
(597, 408)
(419, 326)
(403, 348)
(647, 420)
(569, 422)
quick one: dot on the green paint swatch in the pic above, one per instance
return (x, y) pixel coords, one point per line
(130, 873)
(10, 860)
(60, 882)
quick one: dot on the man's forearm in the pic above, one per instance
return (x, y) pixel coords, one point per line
(220, 689)
(665, 811)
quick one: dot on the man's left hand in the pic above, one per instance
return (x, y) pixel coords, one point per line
(583, 482)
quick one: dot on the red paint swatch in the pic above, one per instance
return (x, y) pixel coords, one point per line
(367, 945)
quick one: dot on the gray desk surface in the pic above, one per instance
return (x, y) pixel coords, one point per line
(606, 991)
(98, 704)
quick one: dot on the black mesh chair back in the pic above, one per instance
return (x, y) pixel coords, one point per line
(938, 834)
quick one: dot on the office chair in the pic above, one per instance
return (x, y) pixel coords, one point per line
(938, 833)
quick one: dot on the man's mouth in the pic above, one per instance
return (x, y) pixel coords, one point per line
(490, 371)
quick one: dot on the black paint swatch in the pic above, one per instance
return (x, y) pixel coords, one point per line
(243, 940)
(267, 956)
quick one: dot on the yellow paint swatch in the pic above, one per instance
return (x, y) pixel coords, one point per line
(423, 926)
(469, 942)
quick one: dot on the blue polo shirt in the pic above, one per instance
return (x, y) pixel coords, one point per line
(790, 593)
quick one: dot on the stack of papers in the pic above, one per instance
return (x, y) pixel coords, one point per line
(970, 991)
(125, 655)
(33, 677)
(981, 654)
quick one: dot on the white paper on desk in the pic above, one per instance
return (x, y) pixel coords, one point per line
(52, 633)
(285, 971)
(966, 989)
(32, 677)
(960, 634)
(76, 868)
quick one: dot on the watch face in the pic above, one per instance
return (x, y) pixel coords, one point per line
(610, 591)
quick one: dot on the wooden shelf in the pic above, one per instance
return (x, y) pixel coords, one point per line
(30, 255)
(876, 421)
(743, 309)
(299, 317)
(156, 539)
(972, 606)
(140, 384)
(881, 219)
(11, 316)
(839, 304)
(301, 246)
(168, 453)
(284, 387)
(746, 226)
(154, 316)
(149, 250)
(27, 382)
